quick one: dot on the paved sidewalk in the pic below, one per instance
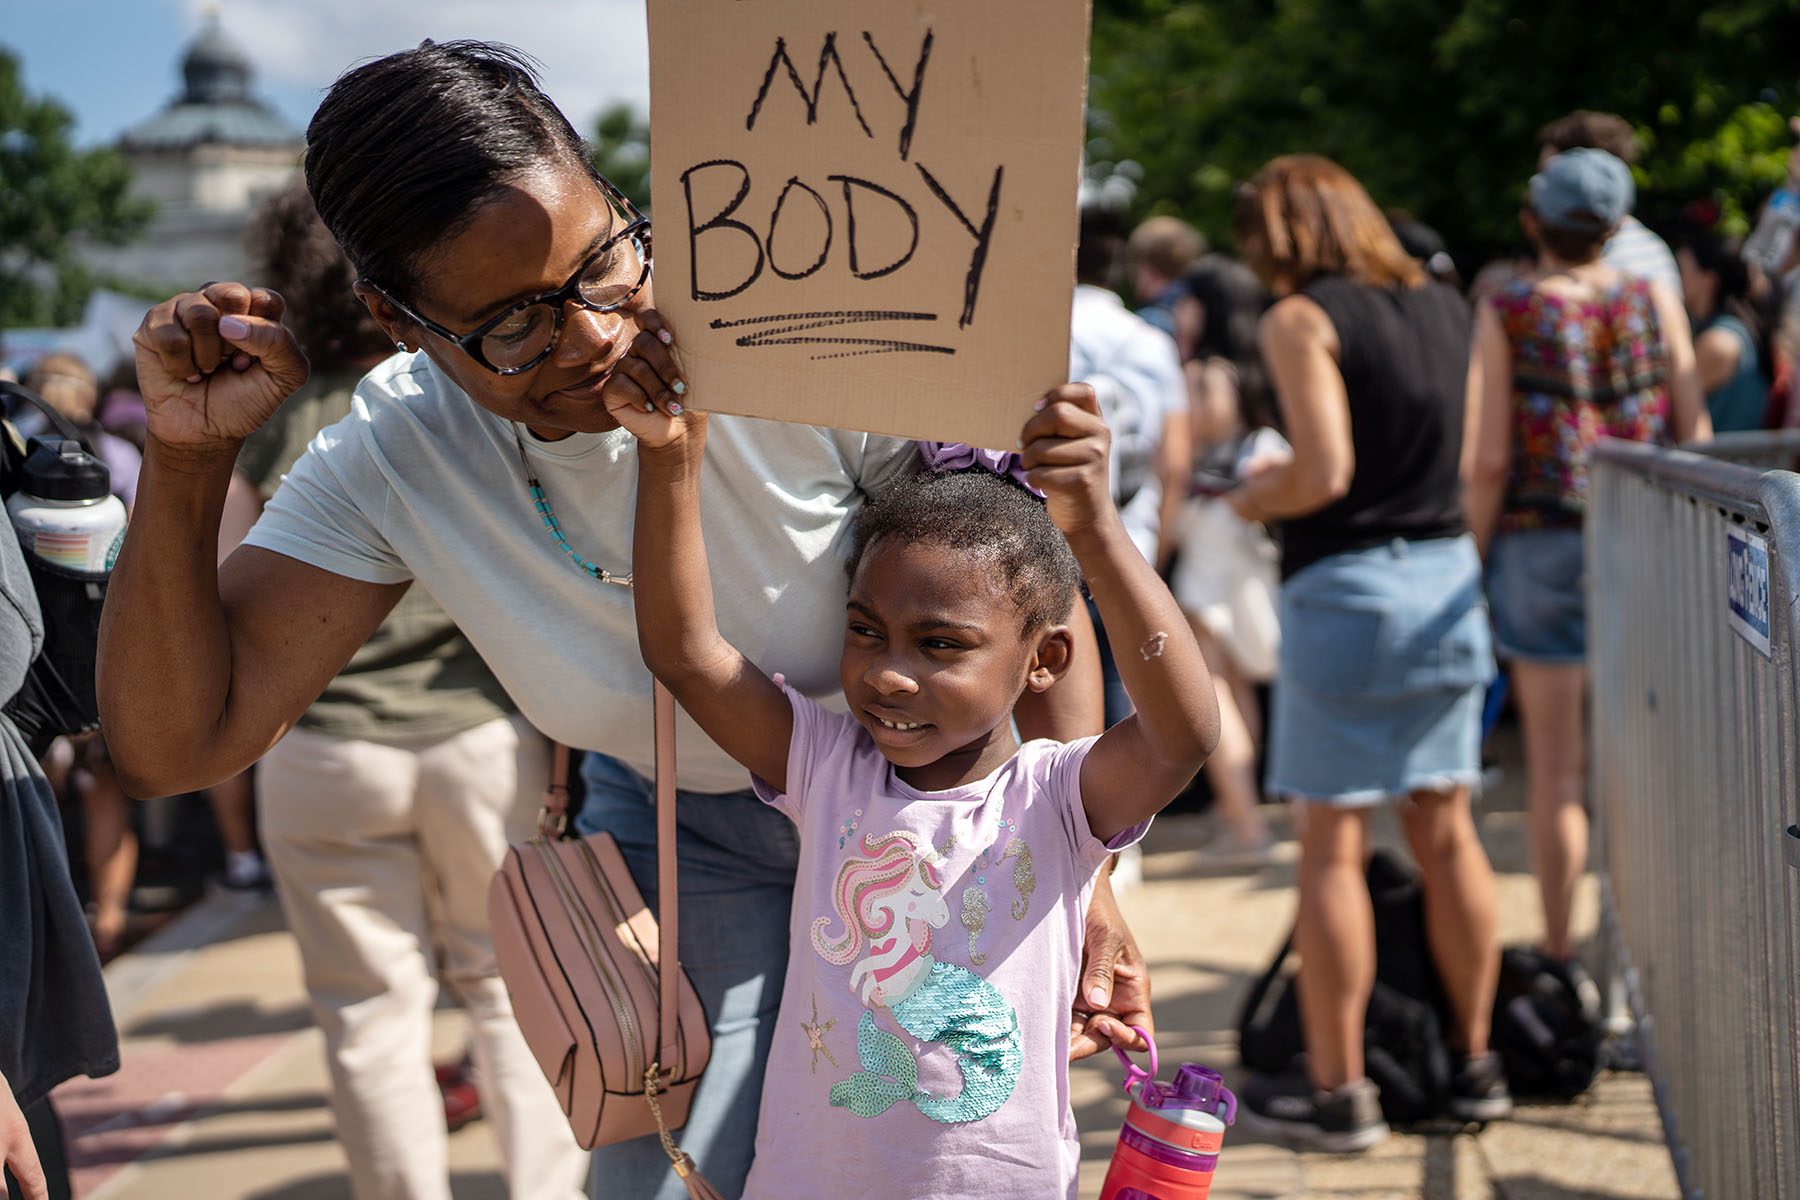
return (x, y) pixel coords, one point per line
(222, 1095)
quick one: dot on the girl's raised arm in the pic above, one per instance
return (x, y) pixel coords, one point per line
(1144, 761)
(728, 695)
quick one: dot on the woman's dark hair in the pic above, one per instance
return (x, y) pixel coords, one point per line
(1100, 246)
(1232, 300)
(296, 255)
(990, 518)
(405, 150)
(1723, 259)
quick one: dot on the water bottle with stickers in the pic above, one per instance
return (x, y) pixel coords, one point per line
(1173, 1132)
(64, 510)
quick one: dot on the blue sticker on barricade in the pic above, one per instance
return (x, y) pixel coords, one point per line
(1747, 586)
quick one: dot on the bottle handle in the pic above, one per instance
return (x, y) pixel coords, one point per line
(1227, 1106)
(64, 428)
(1134, 1074)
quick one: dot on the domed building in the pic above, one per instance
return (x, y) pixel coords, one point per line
(207, 159)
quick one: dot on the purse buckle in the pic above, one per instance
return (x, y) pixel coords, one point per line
(552, 823)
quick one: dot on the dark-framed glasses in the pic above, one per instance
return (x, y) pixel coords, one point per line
(520, 338)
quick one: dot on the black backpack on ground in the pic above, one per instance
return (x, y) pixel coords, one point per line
(1403, 1033)
(1547, 1025)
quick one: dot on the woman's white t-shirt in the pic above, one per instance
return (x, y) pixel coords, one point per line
(419, 482)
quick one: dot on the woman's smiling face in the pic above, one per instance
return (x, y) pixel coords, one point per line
(529, 239)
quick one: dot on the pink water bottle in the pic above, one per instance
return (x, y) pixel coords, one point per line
(1170, 1143)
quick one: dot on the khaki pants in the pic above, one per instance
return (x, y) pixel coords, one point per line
(376, 849)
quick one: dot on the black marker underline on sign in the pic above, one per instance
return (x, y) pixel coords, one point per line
(763, 335)
(901, 349)
(883, 345)
(848, 316)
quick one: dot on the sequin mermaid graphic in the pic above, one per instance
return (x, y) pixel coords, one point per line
(888, 900)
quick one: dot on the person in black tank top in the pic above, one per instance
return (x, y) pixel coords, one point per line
(1385, 654)
(1402, 351)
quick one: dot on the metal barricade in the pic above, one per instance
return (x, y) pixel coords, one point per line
(1693, 585)
(1775, 448)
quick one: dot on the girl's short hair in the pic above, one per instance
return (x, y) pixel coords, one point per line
(1303, 217)
(993, 520)
(405, 150)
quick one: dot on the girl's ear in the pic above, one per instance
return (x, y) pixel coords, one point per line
(1050, 660)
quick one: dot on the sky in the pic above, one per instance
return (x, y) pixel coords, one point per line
(117, 62)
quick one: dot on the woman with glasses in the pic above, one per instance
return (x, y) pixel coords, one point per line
(480, 462)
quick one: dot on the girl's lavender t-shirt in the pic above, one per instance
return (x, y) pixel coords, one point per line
(922, 1045)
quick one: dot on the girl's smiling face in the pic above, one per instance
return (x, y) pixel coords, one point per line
(934, 660)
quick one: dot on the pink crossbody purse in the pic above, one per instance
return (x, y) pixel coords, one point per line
(615, 1024)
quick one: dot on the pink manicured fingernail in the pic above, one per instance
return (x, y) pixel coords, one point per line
(675, 408)
(233, 327)
(665, 337)
(1037, 405)
(1097, 997)
(194, 378)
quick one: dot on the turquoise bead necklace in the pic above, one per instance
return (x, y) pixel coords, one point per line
(541, 502)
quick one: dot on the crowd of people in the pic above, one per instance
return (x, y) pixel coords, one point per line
(1363, 485)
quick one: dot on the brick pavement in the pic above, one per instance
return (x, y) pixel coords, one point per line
(222, 1094)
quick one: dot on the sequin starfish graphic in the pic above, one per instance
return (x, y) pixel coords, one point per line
(815, 1035)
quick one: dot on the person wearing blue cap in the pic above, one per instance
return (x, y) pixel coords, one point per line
(1568, 353)
(1631, 247)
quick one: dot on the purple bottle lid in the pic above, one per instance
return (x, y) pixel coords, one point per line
(1196, 1087)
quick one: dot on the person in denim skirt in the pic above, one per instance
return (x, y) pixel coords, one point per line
(1571, 352)
(1385, 652)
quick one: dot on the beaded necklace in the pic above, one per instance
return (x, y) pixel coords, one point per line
(541, 502)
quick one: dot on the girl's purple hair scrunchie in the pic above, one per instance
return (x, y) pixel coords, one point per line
(955, 456)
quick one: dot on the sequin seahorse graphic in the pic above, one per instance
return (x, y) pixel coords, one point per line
(888, 900)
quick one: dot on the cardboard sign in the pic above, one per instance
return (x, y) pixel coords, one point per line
(866, 209)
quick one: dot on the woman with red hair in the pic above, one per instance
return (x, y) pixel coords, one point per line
(1385, 654)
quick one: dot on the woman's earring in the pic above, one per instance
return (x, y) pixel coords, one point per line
(400, 346)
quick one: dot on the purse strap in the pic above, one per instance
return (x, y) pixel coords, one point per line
(553, 822)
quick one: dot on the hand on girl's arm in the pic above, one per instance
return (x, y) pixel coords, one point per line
(1115, 982)
(738, 706)
(1140, 764)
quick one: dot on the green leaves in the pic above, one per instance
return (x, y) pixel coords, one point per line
(1435, 104)
(52, 197)
(620, 150)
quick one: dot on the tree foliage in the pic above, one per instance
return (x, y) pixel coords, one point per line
(620, 149)
(53, 197)
(1434, 104)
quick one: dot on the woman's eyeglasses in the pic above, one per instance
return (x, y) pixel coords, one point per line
(524, 335)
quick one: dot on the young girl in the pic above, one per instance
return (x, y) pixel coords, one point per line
(921, 1048)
